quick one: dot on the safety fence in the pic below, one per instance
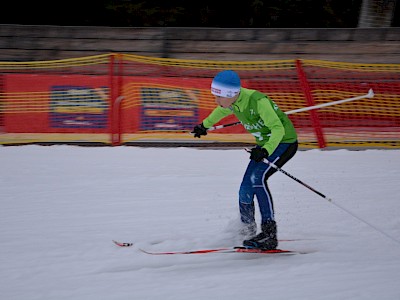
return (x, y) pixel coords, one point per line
(121, 99)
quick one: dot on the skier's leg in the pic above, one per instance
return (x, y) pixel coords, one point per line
(246, 200)
(267, 239)
(283, 153)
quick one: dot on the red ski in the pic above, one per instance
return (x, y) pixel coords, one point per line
(130, 244)
(227, 250)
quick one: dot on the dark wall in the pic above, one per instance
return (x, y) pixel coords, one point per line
(362, 45)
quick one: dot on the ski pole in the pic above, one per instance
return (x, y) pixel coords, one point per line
(222, 126)
(370, 94)
(294, 178)
(330, 200)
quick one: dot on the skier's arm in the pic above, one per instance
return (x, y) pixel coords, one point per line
(216, 115)
(272, 121)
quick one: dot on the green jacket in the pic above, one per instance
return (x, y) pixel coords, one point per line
(260, 116)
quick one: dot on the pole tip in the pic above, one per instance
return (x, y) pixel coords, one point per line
(371, 93)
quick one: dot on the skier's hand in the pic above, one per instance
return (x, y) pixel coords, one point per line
(199, 130)
(258, 154)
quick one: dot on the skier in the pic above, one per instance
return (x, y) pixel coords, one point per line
(276, 140)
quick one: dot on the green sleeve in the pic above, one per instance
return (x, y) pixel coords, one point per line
(272, 121)
(217, 114)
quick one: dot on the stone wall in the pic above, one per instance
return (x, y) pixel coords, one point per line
(360, 45)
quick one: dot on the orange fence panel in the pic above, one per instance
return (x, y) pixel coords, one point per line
(118, 99)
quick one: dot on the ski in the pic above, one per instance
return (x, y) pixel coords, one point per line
(122, 244)
(227, 250)
(130, 244)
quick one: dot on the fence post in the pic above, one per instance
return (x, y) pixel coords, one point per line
(115, 99)
(310, 102)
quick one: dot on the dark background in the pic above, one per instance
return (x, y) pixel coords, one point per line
(184, 13)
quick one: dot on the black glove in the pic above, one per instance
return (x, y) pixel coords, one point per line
(199, 130)
(258, 154)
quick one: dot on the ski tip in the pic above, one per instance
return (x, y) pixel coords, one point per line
(122, 244)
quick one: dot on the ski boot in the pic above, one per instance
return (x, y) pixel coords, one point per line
(266, 240)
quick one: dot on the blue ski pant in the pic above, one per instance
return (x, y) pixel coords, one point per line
(254, 183)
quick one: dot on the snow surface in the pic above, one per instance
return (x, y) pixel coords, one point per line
(61, 207)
